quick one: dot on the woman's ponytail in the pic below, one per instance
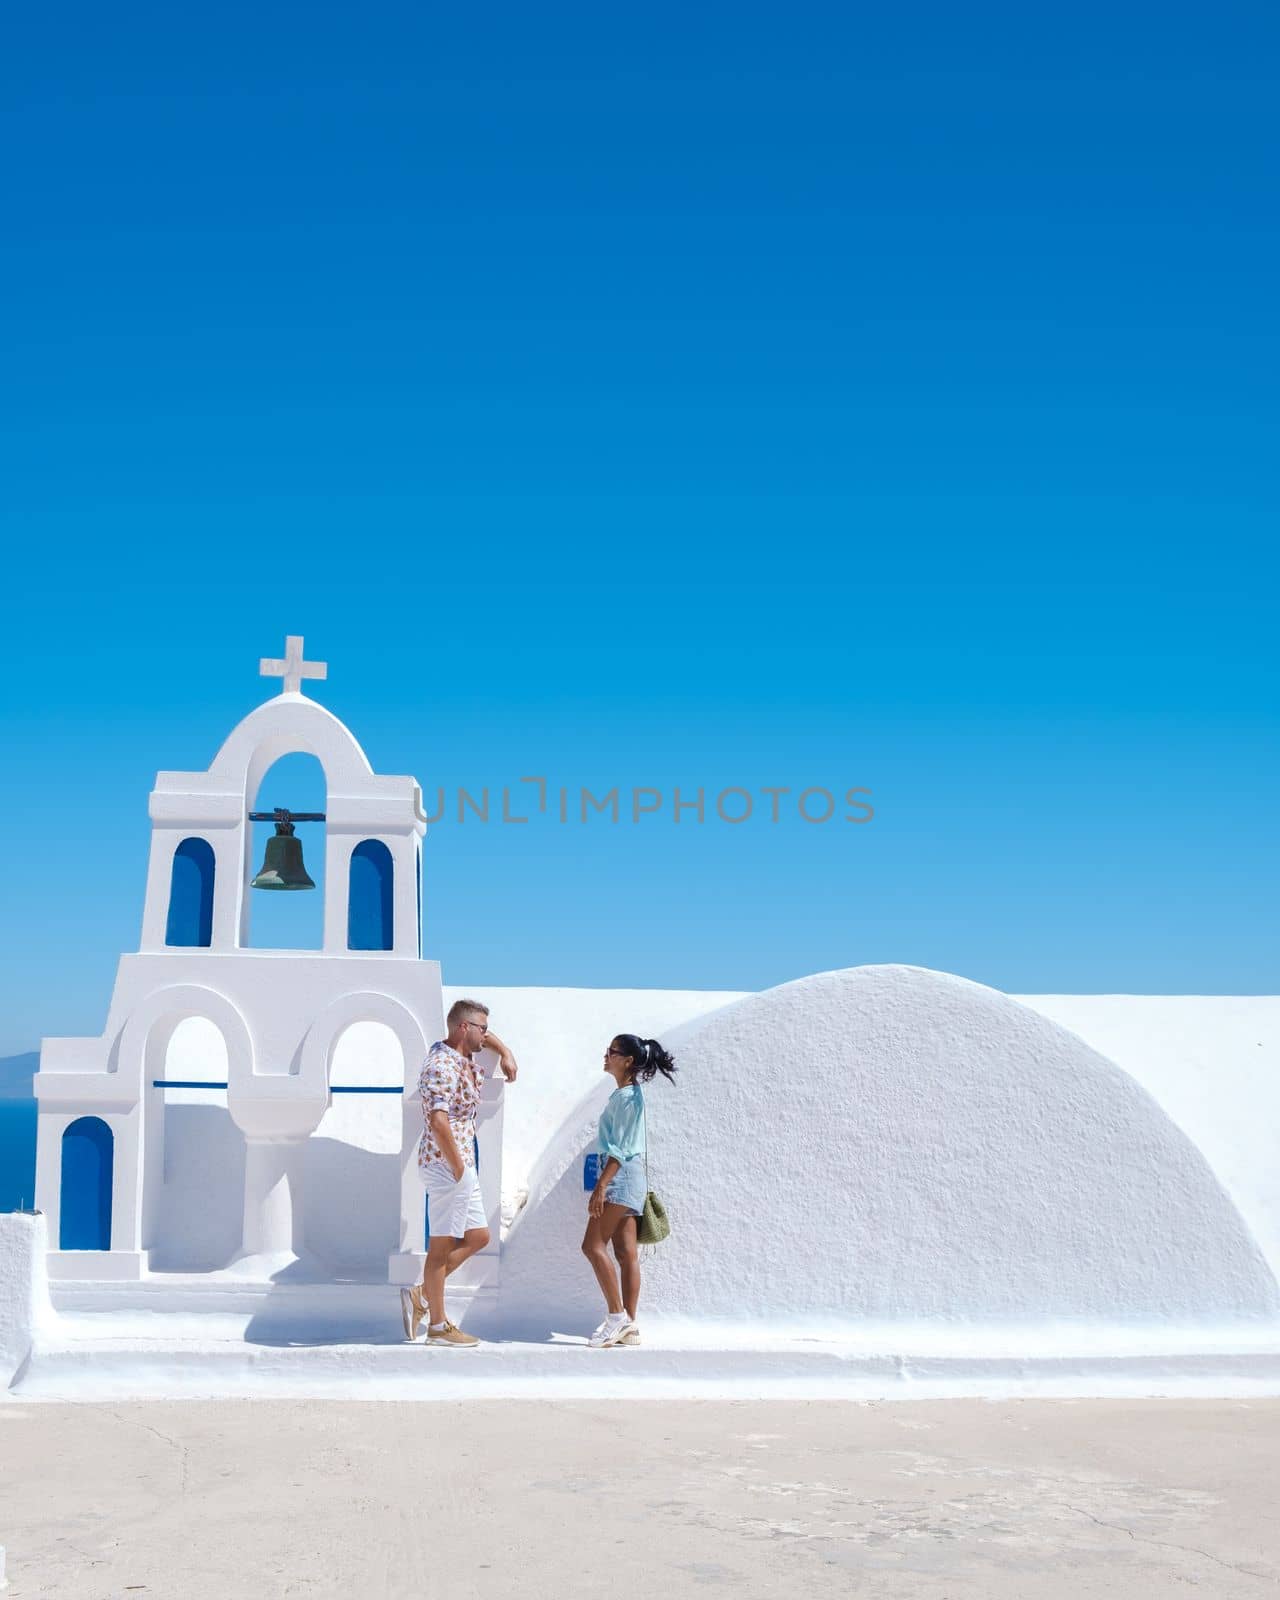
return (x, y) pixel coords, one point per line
(649, 1057)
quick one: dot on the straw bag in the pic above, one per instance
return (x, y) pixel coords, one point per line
(654, 1225)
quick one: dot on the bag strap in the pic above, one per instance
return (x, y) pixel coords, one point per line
(644, 1114)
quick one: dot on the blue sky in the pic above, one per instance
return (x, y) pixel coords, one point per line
(713, 396)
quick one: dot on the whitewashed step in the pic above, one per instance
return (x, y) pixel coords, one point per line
(92, 1357)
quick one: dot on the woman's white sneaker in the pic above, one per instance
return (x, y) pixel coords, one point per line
(610, 1331)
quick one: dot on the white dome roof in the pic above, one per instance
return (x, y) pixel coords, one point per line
(890, 1143)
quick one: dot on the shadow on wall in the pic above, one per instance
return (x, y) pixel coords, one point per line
(566, 1299)
(547, 1285)
(201, 1213)
(352, 1200)
(351, 1197)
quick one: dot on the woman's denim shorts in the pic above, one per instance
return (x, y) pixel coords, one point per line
(627, 1187)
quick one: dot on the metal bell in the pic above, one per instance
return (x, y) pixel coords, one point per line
(282, 867)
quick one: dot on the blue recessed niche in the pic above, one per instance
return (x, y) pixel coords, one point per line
(369, 914)
(85, 1208)
(191, 894)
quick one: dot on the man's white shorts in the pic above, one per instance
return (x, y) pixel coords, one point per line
(453, 1204)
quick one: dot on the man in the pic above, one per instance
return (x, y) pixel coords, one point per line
(450, 1084)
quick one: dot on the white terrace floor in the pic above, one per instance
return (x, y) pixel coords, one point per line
(954, 1500)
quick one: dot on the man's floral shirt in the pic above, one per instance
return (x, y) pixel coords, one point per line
(449, 1082)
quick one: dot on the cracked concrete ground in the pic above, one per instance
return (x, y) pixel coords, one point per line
(933, 1500)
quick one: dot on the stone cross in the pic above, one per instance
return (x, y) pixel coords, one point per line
(293, 668)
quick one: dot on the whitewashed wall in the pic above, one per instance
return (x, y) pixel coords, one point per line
(922, 1054)
(350, 1185)
(25, 1311)
(559, 1037)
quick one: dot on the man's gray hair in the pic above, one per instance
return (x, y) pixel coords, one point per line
(459, 1009)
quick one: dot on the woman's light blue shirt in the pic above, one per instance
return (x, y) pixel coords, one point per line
(622, 1124)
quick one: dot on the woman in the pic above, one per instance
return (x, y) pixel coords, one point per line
(618, 1197)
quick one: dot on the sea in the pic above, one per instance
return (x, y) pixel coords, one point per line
(17, 1154)
(17, 1132)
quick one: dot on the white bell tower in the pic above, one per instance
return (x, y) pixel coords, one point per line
(100, 1144)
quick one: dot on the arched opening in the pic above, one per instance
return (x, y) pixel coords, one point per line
(201, 1200)
(190, 920)
(85, 1206)
(276, 920)
(369, 903)
(352, 1181)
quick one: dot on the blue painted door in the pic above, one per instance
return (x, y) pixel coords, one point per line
(87, 1151)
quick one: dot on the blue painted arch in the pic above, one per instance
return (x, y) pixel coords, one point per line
(370, 919)
(190, 920)
(85, 1204)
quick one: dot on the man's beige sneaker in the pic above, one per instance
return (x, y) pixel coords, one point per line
(452, 1336)
(412, 1312)
(631, 1336)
